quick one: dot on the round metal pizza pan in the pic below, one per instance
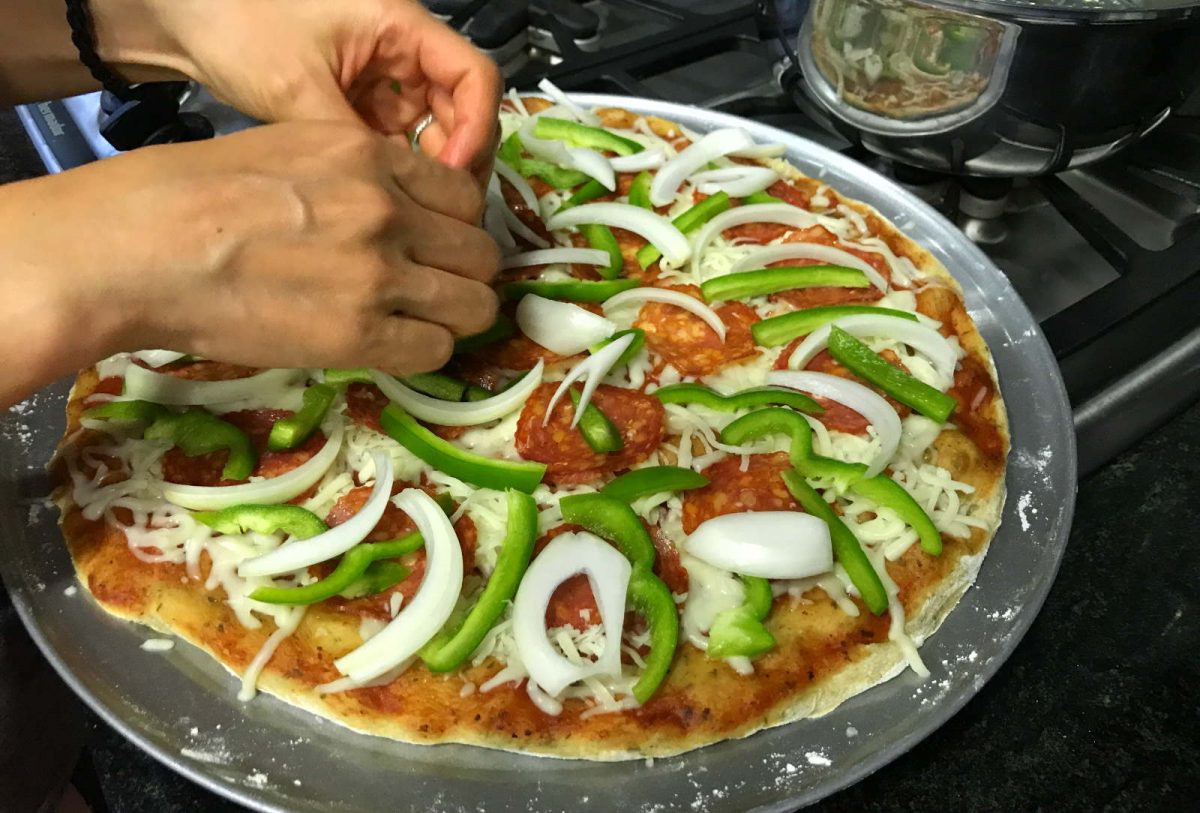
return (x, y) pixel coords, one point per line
(181, 707)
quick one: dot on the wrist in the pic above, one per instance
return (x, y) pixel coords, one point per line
(135, 38)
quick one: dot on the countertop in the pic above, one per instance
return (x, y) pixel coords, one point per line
(1097, 710)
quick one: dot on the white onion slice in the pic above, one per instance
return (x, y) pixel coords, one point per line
(649, 158)
(676, 298)
(919, 337)
(555, 92)
(167, 389)
(261, 492)
(762, 151)
(593, 369)
(863, 400)
(561, 327)
(658, 230)
(769, 544)
(518, 228)
(157, 358)
(460, 413)
(429, 609)
(518, 183)
(587, 161)
(334, 542)
(550, 256)
(608, 573)
(716, 144)
(761, 258)
(493, 216)
(782, 213)
(737, 181)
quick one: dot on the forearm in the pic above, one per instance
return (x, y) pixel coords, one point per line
(39, 61)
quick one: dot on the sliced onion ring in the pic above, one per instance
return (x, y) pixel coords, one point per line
(737, 181)
(263, 492)
(669, 297)
(593, 369)
(518, 183)
(864, 401)
(649, 158)
(334, 542)
(769, 544)
(518, 228)
(550, 256)
(167, 389)
(607, 572)
(919, 337)
(766, 255)
(561, 327)
(555, 92)
(658, 230)
(585, 160)
(716, 144)
(460, 413)
(783, 213)
(429, 609)
(157, 358)
(493, 216)
(762, 151)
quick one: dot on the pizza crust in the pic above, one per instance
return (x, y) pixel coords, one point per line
(702, 701)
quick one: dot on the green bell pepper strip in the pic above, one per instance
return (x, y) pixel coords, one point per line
(762, 197)
(739, 631)
(378, 576)
(288, 433)
(633, 485)
(477, 393)
(652, 599)
(635, 346)
(613, 520)
(778, 420)
(846, 547)
(639, 191)
(573, 290)
(890, 494)
(601, 237)
(455, 643)
(444, 456)
(589, 191)
(293, 520)
(197, 432)
(143, 412)
(773, 280)
(776, 330)
(559, 178)
(687, 222)
(353, 565)
(500, 330)
(745, 399)
(337, 377)
(437, 385)
(581, 135)
(597, 428)
(869, 365)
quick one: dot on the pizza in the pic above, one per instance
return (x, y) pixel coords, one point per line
(732, 452)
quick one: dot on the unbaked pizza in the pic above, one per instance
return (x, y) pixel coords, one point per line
(732, 452)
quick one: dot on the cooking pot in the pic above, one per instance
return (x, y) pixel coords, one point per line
(998, 87)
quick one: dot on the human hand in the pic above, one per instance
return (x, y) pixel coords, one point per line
(291, 245)
(386, 62)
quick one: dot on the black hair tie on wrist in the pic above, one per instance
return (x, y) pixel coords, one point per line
(133, 115)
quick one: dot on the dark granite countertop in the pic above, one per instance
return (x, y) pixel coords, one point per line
(1097, 710)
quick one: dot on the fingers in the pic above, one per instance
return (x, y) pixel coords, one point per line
(402, 346)
(462, 306)
(435, 186)
(452, 246)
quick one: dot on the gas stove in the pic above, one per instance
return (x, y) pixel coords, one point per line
(1106, 257)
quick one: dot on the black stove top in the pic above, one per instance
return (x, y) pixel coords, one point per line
(1107, 257)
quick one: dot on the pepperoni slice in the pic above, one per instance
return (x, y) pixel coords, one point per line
(667, 565)
(789, 194)
(205, 370)
(733, 491)
(802, 298)
(569, 459)
(839, 417)
(526, 215)
(518, 352)
(364, 405)
(205, 470)
(393, 525)
(686, 342)
(974, 390)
